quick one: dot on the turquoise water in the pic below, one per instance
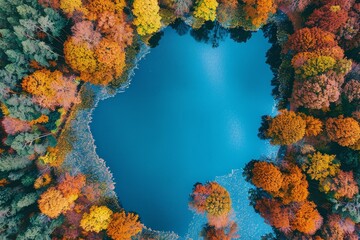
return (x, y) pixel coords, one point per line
(191, 113)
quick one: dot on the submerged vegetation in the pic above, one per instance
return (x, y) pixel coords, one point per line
(51, 49)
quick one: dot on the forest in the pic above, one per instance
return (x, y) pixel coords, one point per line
(52, 50)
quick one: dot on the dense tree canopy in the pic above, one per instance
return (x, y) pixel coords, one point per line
(328, 17)
(310, 39)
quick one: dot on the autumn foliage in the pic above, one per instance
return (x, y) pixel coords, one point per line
(52, 203)
(344, 185)
(50, 47)
(316, 92)
(15, 125)
(206, 9)
(274, 213)
(319, 166)
(337, 227)
(98, 66)
(123, 226)
(302, 217)
(147, 19)
(307, 219)
(313, 126)
(309, 40)
(267, 176)
(328, 17)
(214, 200)
(42, 181)
(294, 187)
(343, 130)
(211, 198)
(225, 233)
(286, 128)
(352, 90)
(98, 218)
(69, 6)
(57, 200)
(218, 203)
(258, 11)
(51, 89)
(71, 186)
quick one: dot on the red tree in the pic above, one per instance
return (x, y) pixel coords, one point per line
(309, 40)
(328, 17)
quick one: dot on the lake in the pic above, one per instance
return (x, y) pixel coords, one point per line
(191, 113)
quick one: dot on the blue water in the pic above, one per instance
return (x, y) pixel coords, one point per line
(191, 113)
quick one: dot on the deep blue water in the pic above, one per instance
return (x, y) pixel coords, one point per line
(191, 113)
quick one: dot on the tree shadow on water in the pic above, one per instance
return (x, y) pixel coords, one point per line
(213, 33)
(209, 33)
(155, 39)
(180, 27)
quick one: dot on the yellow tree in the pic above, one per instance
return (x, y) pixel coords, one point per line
(219, 202)
(79, 56)
(97, 219)
(147, 18)
(315, 66)
(98, 66)
(38, 83)
(69, 6)
(123, 226)
(206, 9)
(319, 166)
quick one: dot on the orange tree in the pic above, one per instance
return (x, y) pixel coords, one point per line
(258, 11)
(267, 176)
(343, 130)
(307, 219)
(98, 66)
(286, 128)
(294, 187)
(52, 203)
(275, 213)
(123, 226)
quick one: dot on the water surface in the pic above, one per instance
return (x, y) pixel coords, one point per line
(191, 113)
